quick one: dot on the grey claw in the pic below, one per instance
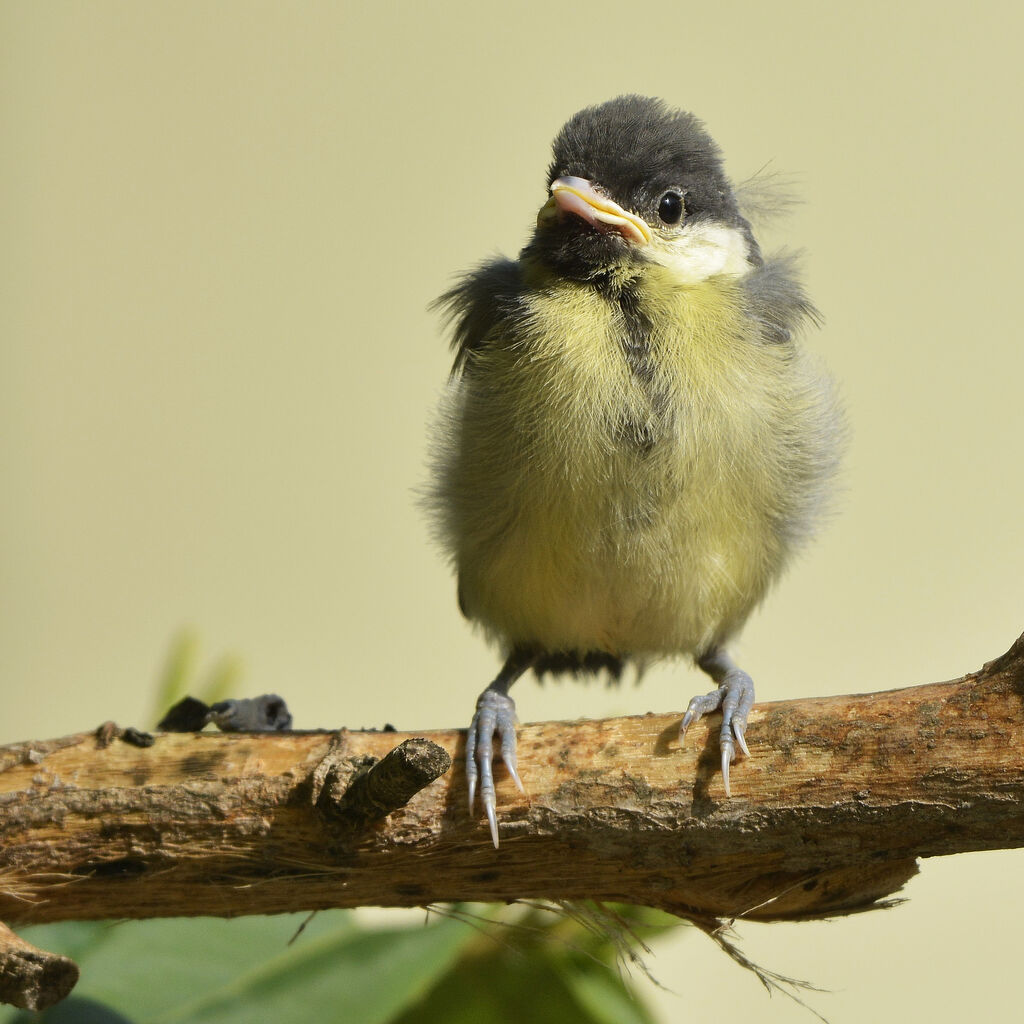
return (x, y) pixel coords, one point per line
(508, 751)
(471, 772)
(741, 738)
(726, 761)
(513, 770)
(492, 820)
(697, 708)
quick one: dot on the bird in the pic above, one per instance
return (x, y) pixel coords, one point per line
(633, 441)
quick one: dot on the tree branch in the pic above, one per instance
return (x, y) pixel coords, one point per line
(840, 797)
(31, 978)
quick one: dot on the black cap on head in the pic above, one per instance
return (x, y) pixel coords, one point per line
(636, 148)
(638, 152)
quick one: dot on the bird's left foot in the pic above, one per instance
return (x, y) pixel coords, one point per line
(735, 696)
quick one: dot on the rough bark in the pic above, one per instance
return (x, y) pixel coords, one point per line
(31, 978)
(840, 798)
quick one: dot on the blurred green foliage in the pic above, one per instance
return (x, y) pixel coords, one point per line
(180, 675)
(471, 964)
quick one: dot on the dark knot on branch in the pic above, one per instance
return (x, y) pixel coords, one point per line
(359, 792)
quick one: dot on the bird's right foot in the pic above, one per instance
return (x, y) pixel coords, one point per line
(495, 713)
(735, 696)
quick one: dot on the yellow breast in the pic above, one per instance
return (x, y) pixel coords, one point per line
(592, 506)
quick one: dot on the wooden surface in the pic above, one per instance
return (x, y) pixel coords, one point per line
(840, 798)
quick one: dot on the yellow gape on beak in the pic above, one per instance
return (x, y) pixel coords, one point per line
(579, 197)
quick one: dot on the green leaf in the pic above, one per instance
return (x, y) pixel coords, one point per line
(539, 967)
(360, 978)
(210, 971)
(223, 681)
(178, 671)
(603, 996)
(75, 1010)
(179, 676)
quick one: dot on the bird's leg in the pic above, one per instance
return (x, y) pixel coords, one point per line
(735, 696)
(495, 713)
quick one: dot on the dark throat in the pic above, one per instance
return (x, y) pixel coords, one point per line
(634, 330)
(635, 334)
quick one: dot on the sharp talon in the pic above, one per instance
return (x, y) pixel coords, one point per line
(726, 759)
(471, 770)
(492, 820)
(508, 754)
(741, 739)
(511, 766)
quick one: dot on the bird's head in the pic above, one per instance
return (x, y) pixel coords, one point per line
(633, 182)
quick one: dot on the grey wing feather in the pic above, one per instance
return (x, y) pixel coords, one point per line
(481, 300)
(777, 300)
(478, 303)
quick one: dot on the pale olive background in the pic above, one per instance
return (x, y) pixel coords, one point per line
(220, 228)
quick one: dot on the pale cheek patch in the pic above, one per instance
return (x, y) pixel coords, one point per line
(702, 251)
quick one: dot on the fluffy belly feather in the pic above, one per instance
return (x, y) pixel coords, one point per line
(661, 569)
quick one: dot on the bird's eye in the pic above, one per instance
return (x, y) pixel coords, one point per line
(670, 208)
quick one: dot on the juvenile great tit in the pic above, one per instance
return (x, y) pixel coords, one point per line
(632, 443)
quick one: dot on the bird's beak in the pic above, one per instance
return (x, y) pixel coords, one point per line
(579, 197)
